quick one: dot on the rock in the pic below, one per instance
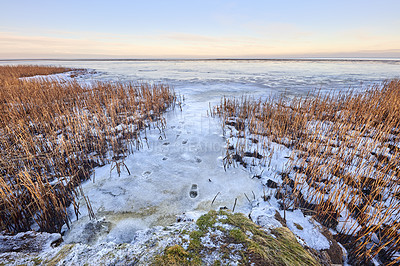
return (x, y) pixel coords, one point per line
(279, 218)
(89, 233)
(335, 252)
(27, 242)
(271, 184)
(265, 217)
(183, 218)
(253, 154)
(321, 256)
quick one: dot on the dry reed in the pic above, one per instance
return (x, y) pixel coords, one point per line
(54, 131)
(345, 164)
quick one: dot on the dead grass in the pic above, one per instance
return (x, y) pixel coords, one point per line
(53, 132)
(345, 162)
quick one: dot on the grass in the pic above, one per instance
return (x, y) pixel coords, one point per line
(53, 132)
(344, 164)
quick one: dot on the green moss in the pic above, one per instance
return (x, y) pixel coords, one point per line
(279, 247)
(242, 222)
(195, 241)
(177, 255)
(207, 220)
(238, 235)
(283, 249)
(220, 228)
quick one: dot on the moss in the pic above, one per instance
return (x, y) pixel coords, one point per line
(61, 254)
(220, 228)
(242, 222)
(283, 249)
(262, 248)
(207, 220)
(238, 235)
(177, 255)
(195, 241)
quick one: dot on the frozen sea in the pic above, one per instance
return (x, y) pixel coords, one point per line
(182, 171)
(214, 78)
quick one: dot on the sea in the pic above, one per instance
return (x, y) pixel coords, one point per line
(234, 77)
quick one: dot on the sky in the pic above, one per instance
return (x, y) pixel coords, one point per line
(199, 29)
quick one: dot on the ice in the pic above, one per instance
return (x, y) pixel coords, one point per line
(255, 77)
(179, 173)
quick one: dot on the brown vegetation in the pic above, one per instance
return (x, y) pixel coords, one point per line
(345, 162)
(53, 132)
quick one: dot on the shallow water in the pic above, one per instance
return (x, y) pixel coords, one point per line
(182, 171)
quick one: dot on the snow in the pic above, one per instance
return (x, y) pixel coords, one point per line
(265, 217)
(135, 208)
(309, 232)
(162, 176)
(157, 192)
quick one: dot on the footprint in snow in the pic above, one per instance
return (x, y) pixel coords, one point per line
(193, 191)
(146, 173)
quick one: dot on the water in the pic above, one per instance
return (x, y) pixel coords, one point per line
(190, 155)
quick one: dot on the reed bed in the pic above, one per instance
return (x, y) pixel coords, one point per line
(20, 71)
(53, 132)
(344, 168)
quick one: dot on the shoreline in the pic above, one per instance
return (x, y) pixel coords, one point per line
(258, 203)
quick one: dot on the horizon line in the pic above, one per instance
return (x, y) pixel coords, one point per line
(213, 59)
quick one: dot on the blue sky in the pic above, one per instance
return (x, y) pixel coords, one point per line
(199, 29)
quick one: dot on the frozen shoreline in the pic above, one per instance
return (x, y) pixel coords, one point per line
(180, 173)
(187, 161)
